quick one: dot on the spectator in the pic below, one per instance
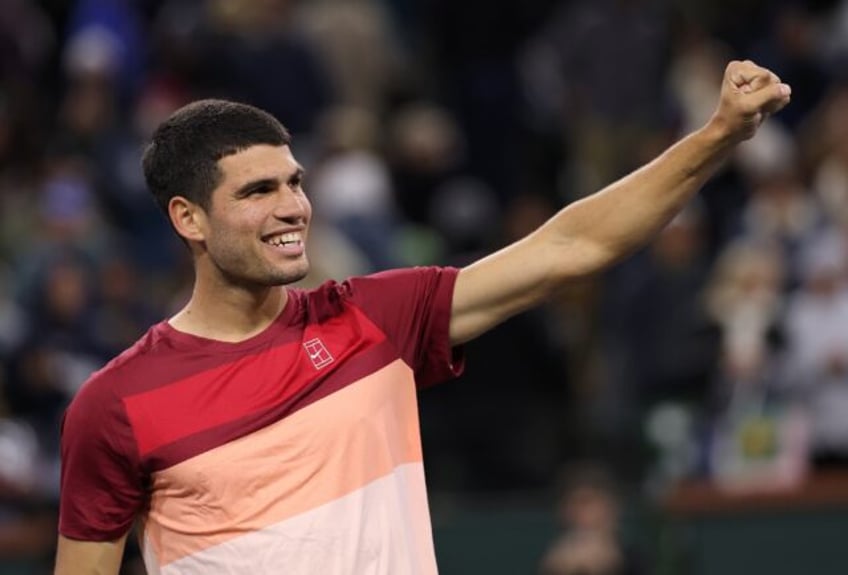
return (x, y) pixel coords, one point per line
(591, 540)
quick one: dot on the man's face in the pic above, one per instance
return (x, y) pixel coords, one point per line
(256, 225)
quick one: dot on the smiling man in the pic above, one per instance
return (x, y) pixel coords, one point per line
(265, 429)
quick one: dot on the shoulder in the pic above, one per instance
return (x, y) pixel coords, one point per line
(118, 377)
(387, 282)
(381, 289)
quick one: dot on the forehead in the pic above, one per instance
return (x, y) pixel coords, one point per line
(255, 163)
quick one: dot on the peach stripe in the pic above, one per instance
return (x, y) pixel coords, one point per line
(382, 528)
(318, 454)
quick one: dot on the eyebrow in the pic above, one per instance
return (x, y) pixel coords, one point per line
(298, 173)
(253, 185)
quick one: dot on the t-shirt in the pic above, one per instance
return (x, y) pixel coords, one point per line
(295, 451)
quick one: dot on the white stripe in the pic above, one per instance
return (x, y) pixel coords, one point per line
(380, 529)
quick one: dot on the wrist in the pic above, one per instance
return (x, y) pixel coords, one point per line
(718, 135)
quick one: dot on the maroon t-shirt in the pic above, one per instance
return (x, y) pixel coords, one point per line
(173, 396)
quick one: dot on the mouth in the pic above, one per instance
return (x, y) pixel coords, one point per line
(289, 243)
(286, 239)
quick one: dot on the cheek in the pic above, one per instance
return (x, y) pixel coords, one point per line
(243, 218)
(237, 227)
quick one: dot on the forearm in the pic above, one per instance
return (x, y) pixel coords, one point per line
(600, 229)
(586, 236)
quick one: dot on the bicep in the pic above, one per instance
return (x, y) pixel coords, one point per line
(523, 275)
(89, 557)
(499, 286)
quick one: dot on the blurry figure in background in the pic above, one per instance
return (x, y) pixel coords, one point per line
(69, 214)
(13, 320)
(121, 192)
(49, 355)
(661, 344)
(794, 49)
(123, 307)
(426, 152)
(27, 42)
(526, 453)
(758, 439)
(27, 500)
(351, 186)
(59, 350)
(26, 38)
(106, 40)
(462, 211)
(106, 112)
(598, 46)
(591, 541)
(817, 338)
(828, 138)
(426, 149)
(91, 103)
(362, 58)
(253, 53)
(19, 217)
(695, 72)
(834, 36)
(95, 189)
(471, 45)
(55, 287)
(66, 221)
(99, 117)
(672, 338)
(781, 210)
(745, 298)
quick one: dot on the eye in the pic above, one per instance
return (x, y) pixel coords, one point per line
(260, 190)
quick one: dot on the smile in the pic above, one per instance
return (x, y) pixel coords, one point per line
(291, 239)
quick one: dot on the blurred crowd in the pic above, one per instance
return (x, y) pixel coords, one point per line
(434, 132)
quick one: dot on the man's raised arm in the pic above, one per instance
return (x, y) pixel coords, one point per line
(595, 232)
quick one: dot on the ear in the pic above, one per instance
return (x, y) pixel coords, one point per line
(187, 218)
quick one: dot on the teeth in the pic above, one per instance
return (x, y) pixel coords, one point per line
(285, 239)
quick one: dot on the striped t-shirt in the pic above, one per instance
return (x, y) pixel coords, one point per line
(296, 451)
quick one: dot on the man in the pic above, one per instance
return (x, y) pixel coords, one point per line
(264, 429)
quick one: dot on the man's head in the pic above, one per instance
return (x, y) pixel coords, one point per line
(226, 178)
(182, 159)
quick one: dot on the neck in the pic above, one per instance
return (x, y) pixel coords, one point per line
(231, 315)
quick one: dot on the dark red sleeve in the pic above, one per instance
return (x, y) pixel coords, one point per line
(413, 307)
(102, 486)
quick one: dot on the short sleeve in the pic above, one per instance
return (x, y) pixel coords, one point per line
(102, 486)
(413, 307)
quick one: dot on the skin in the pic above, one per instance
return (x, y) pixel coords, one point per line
(239, 278)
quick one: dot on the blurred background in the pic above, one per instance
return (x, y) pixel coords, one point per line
(684, 413)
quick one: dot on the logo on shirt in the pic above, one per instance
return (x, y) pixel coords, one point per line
(317, 353)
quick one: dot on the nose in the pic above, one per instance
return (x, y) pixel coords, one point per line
(292, 207)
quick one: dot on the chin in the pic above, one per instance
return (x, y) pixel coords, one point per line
(291, 276)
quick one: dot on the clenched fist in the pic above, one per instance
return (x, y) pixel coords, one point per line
(749, 94)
